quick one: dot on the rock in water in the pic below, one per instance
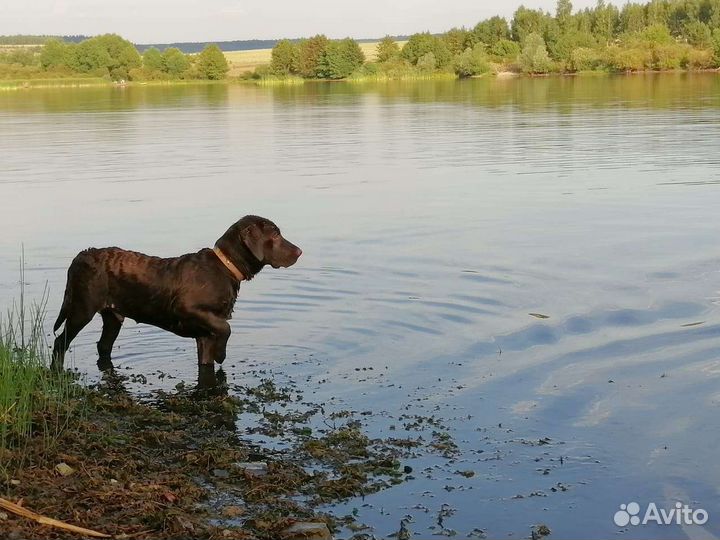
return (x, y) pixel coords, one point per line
(306, 531)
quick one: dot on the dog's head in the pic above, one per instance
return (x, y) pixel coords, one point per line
(253, 242)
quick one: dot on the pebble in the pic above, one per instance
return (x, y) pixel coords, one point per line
(233, 511)
(220, 473)
(64, 469)
(253, 468)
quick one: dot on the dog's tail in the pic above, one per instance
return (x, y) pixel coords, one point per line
(62, 316)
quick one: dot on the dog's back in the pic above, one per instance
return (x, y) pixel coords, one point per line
(97, 276)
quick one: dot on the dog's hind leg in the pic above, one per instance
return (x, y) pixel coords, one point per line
(112, 322)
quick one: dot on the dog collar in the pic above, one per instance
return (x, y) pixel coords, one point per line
(228, 263)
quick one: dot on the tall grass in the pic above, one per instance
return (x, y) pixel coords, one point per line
(409, 75)
(273, 80)
(58, 82)
(36, 404)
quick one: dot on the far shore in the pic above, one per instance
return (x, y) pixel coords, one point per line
(80, 82)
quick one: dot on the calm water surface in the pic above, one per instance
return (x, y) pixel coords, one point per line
(435, 218)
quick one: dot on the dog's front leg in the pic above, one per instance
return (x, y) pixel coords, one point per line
(211, 349)
(212, 345)
(204, 351)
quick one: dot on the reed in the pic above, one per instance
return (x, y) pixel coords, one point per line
(35, 403)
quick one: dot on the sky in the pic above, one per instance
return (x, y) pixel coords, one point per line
(161, 21)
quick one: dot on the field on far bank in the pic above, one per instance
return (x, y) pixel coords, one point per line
(242, 61)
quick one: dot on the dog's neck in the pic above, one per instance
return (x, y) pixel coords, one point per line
(234, 270)
(234, 249)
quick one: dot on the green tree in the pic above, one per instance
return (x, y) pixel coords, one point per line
(716, 44)
(174, 62)
(583, 20)
(491, 30)
(54, 54)
(505, 49)
(108, 55)
(605, 21)
(212, 64)
(584, 59)
(340, 59)
(20, 55)
(387, 48)
(656, 34)
(309, 52)
(123, 56)
(568, 42)
(457, 40)
(152, 60)
(713, 13)
(680, 14)
(427, 63)
(551, 33)
(698, 34)
(563, 14)
(420, 44)
(534, 57)
(472, 61)
(91, 56)
(666, 57)
(626, 59)
(658, 12)
(701, 59)
(632, 18)
(527, 21)
(284, 57)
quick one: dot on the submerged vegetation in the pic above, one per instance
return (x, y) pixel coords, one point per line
(172, 464)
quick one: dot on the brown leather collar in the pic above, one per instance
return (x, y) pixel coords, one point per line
(228, 263)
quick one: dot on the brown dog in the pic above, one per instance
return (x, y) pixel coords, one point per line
(192, 295)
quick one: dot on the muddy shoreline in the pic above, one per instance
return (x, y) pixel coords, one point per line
(172, 465)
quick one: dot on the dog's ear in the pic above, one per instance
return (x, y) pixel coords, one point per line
(254, 239)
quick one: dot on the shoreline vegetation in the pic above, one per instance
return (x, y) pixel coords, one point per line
(172, 464)
(657, 36)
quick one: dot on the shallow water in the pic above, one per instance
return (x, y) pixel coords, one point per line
(435, 218)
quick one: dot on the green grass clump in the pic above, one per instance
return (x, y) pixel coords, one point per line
(34, 401)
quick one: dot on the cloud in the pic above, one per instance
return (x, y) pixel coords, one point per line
(236, 8)
(60, 7)
(159, 21)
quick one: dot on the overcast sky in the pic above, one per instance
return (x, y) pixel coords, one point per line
(157, 21)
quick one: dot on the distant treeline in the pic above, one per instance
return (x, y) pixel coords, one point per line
(238, 45)
(21, 39)
(111, 57)
(193, 47)
(658, 35)
(188, 47)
